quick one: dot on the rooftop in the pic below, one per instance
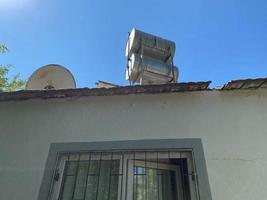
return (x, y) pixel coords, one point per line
(126, 90)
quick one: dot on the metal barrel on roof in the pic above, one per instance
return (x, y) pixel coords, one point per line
(150, 59)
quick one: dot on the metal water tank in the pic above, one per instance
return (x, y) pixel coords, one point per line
(147, 70)
(150, 45)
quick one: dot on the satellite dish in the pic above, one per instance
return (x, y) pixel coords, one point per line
(51, 77)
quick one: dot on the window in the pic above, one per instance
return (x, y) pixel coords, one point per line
(131, 175)
(139, 172)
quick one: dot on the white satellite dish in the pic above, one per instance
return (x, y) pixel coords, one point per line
(51, 77)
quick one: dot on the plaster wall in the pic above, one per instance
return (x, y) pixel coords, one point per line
(231, 124)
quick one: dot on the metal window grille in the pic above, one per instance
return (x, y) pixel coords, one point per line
(125, 175)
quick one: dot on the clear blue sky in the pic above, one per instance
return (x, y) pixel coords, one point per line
(216, 40)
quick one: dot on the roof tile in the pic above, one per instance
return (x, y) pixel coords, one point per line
(83, 92)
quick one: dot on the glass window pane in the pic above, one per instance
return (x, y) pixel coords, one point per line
(114, 187)
(71, 168)
(94, 167)
(152, 181)
(91, 188)
(81, 180)
(169, 185)
(68, 187)
(139, 187)
(154, 184)
(102, 185)
(139, 170)
(103, 188)
(115, 167)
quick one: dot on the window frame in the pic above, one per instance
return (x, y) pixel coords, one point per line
(194, 145)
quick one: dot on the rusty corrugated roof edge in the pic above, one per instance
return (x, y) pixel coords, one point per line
(245, 84)
(125, 90)
(137, 89)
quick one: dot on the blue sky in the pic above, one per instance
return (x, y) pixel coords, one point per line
(215, 40)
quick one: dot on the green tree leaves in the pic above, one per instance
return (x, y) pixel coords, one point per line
(6, 84)
(3, 49)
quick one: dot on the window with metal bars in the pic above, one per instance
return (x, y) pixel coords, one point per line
(125, 175)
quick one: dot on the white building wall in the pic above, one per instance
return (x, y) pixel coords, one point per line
(231, 124)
